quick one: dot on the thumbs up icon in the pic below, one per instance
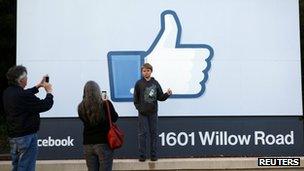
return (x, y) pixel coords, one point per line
(181, 67)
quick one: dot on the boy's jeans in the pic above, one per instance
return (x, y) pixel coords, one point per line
(98, 157)
(146, 122)
(24, 152)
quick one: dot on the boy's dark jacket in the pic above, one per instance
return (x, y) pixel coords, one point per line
(146, 94)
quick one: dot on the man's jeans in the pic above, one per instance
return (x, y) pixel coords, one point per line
(146, 122)
(98, 157)
(24, 152)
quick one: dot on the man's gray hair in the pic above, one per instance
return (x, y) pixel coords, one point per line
(15, 74)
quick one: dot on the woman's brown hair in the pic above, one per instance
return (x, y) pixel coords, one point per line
(90, 108)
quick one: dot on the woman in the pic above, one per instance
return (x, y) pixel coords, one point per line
(92, 113)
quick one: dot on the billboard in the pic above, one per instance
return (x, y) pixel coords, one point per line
(61, 138)
(220, 58)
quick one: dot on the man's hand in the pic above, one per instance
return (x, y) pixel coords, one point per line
(41, 84)
(48, 87)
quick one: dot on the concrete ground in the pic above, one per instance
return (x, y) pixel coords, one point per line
(205, 164)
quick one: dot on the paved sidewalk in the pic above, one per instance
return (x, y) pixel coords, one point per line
(232, 163)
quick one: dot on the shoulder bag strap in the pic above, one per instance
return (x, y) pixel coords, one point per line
(108, 112)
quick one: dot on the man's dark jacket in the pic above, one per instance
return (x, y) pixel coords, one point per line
(22, 110)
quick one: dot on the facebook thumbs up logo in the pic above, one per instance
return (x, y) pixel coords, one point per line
(181, 67)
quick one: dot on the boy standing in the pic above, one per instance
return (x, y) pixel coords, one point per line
(146, 93)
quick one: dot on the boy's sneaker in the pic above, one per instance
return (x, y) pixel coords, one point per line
(154, 158)
(142, 158)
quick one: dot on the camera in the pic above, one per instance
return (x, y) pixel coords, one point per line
(47, 79)
(104, 95)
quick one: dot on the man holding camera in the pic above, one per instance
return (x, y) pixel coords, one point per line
(22, 110)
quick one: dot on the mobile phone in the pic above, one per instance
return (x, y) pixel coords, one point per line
(104, 95)
(47, 78)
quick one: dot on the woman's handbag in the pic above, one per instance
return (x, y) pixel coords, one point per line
(115, 135)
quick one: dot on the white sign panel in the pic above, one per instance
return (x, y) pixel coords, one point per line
(219, 57)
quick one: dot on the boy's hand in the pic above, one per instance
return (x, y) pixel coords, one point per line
(169, 92)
